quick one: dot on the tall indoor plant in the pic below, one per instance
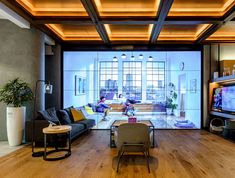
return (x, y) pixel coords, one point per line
(15, 93)
(170, 99)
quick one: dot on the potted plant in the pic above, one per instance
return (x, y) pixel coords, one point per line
(15, 93)
(172, 96)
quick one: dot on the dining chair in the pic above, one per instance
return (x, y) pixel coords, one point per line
(133, 137)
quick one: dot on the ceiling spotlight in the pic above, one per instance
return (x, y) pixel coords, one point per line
(123, 56)
(132, 57)
(150, 58)
(115, 58)
(141, 56)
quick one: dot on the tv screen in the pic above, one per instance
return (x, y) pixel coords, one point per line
(217, 99)
(228, 98)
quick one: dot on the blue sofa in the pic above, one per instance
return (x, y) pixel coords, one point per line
(63, 117)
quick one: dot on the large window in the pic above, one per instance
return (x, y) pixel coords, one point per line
(132, 80)
(108, 79)
(155, 80)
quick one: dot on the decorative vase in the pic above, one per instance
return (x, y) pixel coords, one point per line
(168, 111)
(15, 125)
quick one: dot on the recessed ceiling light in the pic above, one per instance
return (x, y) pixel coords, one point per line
(123, 56)
(150, 58)
(115, 58)
(132, 57)
(141, 56)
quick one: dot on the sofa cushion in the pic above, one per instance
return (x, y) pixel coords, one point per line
(88, 123)
(77, 115)
(49, 115)
(68, 110)
(88, 110)
(97, 117)
(63, 117)
(77, 129)
(84, 112)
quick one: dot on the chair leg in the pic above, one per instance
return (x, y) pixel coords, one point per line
(146, 154)
(120, 154)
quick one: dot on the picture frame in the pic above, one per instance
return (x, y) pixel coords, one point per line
(80, 84)
(193, 85)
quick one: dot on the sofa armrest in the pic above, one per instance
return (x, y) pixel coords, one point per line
(38, 135)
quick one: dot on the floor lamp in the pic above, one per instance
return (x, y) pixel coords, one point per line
(47, 90)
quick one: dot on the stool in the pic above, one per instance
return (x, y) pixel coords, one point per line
(60, 129)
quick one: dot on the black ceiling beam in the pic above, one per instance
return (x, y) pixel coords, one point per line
(62, 20)
(123, 20)
(163, 11)
(93, 13)
(227, 17)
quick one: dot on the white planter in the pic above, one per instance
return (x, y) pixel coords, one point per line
(15, 125)
(168, 111)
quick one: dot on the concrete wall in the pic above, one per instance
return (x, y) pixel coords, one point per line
(21, 55)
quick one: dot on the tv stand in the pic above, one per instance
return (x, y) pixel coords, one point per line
(224, 115)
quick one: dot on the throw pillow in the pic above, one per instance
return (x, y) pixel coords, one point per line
(88, 110)
(63, 117)
(77, 115)
(49, 115)
(68, 110)
(93, 106)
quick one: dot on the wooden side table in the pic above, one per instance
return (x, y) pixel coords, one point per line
(60, 129)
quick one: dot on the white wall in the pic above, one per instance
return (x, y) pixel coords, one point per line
(81, 64)
(227, 51)
(192, 64)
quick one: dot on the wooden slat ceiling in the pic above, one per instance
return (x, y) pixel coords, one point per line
(182, 32)
(134, 21)
(213, 8)
(225, 33)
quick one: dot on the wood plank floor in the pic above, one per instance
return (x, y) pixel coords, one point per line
(179, 153)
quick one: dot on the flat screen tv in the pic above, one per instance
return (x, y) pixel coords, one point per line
(228, 98)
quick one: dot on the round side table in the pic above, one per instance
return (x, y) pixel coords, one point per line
(56, 130)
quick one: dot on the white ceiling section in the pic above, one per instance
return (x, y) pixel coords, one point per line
(2, 17)
(6, 13)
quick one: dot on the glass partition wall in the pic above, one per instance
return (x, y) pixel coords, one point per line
(164, 87)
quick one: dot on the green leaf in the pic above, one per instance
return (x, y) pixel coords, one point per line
(16, 92)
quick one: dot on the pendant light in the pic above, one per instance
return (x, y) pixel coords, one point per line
(115, 59)
(141, 56)
(150, 58)
(123, 56)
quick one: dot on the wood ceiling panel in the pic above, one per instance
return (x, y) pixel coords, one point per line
(182, 32)
(140, 8)
(54, 7)
(128, 32)
(75, 32)
(225, 33)
(216, 8)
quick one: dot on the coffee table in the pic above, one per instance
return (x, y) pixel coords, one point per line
(117, 123)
